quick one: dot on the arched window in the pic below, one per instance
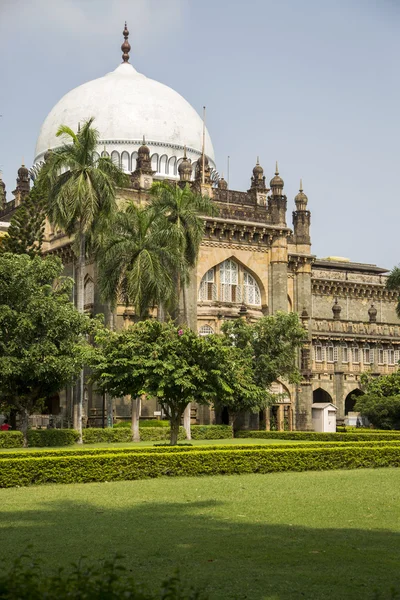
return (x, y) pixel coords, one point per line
(206, 330)
(228, 271)
(115, 158)
(390, 353)
(172, 166)
(251, 290)
(319, 352)
(163, 166)
(381, 356)
(125, 161)
(134, 156)
(331, 355)
(355, 354)
(154, 162)
(368, 355)
(208, 289)
(88, 292)
(96, 156)
(345, 353)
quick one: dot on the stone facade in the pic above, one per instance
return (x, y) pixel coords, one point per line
(251, 263)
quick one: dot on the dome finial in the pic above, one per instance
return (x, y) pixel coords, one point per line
(258, 160)
(144, 140)
(184, 152)
(125, 45)
(301, 185)
(276, 168)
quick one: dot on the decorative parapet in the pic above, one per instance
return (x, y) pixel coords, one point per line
(354, 330)
(373, 288)
(231, 231)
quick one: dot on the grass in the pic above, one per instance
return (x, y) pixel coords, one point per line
(225, 442)
(314, 535)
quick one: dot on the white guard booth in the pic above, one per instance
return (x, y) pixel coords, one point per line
(324, 416)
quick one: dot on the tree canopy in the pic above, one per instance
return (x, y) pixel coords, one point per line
(42, 336)
(381, 401)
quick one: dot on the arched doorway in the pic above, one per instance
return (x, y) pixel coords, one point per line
(320, 395)
(351, 400)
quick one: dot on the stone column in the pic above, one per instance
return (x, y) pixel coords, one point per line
(304, 401)
(279, 268)
(281, 413)
(290, 417)
(338, 385)
(267, 414)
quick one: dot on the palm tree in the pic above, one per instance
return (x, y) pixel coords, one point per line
(393, 283)
(82, 196)
(136, 265)
(179, 210)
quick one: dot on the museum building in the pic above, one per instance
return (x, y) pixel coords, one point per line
(255, 258)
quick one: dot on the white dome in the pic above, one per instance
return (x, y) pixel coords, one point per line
(126, 106)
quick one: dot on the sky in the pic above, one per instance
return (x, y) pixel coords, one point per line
(313, 84)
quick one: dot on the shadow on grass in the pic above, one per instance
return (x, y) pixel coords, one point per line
(225, 558)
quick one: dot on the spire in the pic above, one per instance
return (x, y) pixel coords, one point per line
(258, 160)
(301, 185)
(301, 199)
(125, 45)
(184, 152)
(144, 140)
(276, 168)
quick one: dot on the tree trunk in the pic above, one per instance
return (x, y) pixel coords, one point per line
(136, 406)
(186, 421)
(24, 414)
(175, 422)
(80, 288)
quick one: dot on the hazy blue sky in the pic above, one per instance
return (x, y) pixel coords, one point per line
(313, 84)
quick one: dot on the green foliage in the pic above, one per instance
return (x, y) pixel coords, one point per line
(123, 434)
(42, 343)
(137, 465)
(51, 437)
(384, 385)
(11, 439)
(107, 580)
(211, 432)
(26, 231)
(315, 436)
(144, 423)
(176, 366)
(382, 412)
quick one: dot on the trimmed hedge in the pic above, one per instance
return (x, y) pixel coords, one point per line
(211, 432)
(187, 448)
(140, 465)
(143, 423)
(11, 439)
(122, 434)
(38, 438)
(316, 436)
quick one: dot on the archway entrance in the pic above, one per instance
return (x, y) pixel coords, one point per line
(320, 395)
(351, 400)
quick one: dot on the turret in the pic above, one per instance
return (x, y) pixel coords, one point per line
(142, 176)
(258, 190)
(185, 170)
(3, 194)
(23, 185)
(203, 179)
(277, 201)
(301, 219)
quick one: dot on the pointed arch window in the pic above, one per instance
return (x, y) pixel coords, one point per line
(206, 330)
(208, 289)
(229, 277)
(251, 290)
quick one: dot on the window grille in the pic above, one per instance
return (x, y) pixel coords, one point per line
(330, 353)
(390, 356)
(251, 290)
(396, 356)
(381, 356)
(208, 290)
(367, 355)
(345, 353)
(319, 353)
(230, 292)
(335, 353)
(355, 354)
(206, 330)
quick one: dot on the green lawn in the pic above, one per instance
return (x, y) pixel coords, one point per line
(227, 442)
(313, 535)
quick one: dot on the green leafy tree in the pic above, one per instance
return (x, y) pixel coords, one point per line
(26, 231)
(42, 336)
(174, 365)
(82, 197)
(393, 283)
(268, 349)
(137, 261)
(380, 402)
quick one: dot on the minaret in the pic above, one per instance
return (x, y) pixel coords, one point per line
(301, 221)
(277, 201)
(258, 190)
(126, 47)
(142, 176)
(185, 170)
(203, 180)
(23, 185)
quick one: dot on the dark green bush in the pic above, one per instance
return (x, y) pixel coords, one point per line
(122, 434)
(211, 432)
(107, 580)
(382, 411)
(11, 439)
(144, 423)
(318, 437)
(142, 465)
(38, 438)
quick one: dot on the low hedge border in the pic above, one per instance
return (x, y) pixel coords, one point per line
(11, 439)
(318, 437)
(39, 438)
(135, 465)
(169, 449)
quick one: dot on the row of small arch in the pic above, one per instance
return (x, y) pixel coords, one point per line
(163, 164)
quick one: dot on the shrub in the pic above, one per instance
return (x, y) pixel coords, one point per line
(93, 435)
(140, 465)
(383, 412)
(211, 432)
(52, 437)
(92, 582)
(144, 423)
(318, 437)
(11, 439)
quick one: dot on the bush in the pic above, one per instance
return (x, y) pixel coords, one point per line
(93, 435)
(143, 465)
(382, 412)
(144, 423)
(91, 582)
(11, 439)
(38, 438)
(318, 437)
(211, 432)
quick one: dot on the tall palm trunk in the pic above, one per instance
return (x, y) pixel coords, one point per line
(80, 302)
